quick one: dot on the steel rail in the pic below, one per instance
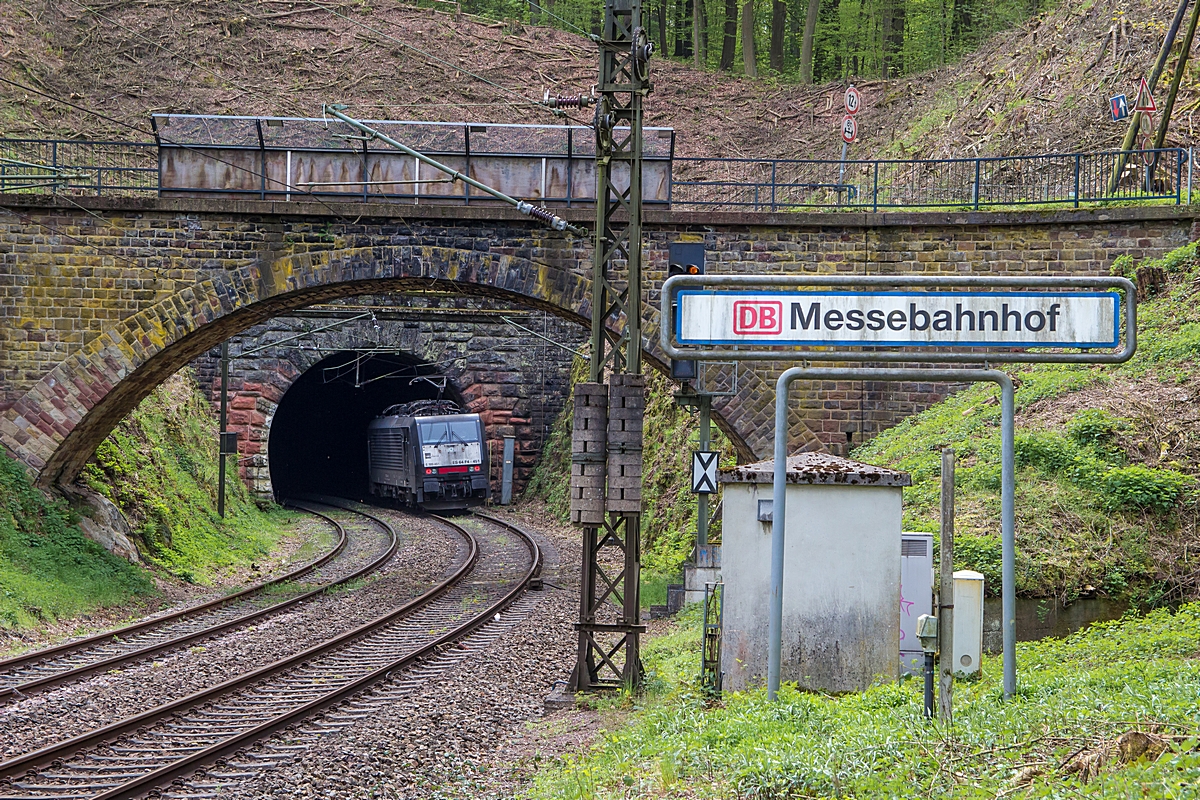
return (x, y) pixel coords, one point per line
(56, 753)
(75, 644)
(49, 681)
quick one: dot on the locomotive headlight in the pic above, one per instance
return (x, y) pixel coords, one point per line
(428, 471)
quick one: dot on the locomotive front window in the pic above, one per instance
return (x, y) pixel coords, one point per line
(447, 431)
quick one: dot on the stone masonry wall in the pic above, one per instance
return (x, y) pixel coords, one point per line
(517, 382)
(98, 303)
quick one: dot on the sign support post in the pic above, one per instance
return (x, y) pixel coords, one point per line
(702, 498)
(762, 320)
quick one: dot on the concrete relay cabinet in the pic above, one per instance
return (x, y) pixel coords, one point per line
(841, 579)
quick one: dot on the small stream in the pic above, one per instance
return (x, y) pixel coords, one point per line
(1038, 618)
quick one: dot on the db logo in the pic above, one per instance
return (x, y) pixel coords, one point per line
(757, 316)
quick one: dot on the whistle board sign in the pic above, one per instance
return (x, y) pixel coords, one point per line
(899, 319)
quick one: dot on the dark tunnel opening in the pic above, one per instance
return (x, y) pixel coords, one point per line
(318, 440)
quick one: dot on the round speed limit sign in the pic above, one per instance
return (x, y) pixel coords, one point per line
(849, 129)
(853, 101)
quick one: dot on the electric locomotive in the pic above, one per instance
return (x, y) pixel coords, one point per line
(428, 454)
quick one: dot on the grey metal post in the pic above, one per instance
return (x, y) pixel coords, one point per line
(778, 511)
(705, 443)
(1008, 543)
(778, 507)
(506, 475)
(842, 173)
(220, 438)
(1189, 194)
(945, 611)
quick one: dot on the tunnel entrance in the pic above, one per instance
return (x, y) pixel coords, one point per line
(318, 439)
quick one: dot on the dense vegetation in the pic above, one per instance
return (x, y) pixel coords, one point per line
(1061, 736)
(808, 40)
(48, 569)
(1106, 457)
(160, 467)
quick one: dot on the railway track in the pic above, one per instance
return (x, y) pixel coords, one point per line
(350, 558)
(147, 751)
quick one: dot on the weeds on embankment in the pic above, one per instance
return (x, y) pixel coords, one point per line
(1106, 712)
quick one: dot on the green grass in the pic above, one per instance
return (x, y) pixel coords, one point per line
(160, 467)
(1101, 504)
(1074, 694)
(48, 568)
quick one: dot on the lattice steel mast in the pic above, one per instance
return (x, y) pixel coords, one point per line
(606, 469)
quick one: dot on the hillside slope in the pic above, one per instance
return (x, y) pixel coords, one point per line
(1038, 88)
(1107, 457)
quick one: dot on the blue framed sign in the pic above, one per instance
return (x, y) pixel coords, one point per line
(899, 319)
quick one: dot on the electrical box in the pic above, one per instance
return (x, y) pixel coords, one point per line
(916, 596)
(968, 621)
(841, 573)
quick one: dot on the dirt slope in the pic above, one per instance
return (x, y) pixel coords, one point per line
(1026, 91)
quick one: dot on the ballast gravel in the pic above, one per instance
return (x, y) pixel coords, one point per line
(457, 726)
(426, 553)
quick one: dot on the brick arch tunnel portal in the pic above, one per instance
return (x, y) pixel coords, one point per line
(318, 435)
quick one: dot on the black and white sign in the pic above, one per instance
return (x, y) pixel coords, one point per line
(853, 101)
(704, 471)
(976, 319)
(849, 129)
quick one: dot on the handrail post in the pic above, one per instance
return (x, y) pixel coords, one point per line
(978, 170)
(1178, 175)
(875, 189)
(774, 164)
(1078, 158)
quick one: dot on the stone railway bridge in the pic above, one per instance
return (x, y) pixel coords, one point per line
(103, 298)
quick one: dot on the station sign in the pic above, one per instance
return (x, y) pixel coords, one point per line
(899, 319)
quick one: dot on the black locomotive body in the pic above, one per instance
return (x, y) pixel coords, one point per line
(428, 454)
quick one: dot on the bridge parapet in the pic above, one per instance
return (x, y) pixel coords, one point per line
(101, 298)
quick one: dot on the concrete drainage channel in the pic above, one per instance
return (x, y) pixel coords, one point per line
(149, 750)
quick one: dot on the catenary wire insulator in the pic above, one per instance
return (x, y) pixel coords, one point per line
(553, 220)
(567, 101)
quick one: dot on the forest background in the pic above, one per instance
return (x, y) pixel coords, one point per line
(812, 41)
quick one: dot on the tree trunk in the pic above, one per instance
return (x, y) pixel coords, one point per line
(748, 55)
(662, 27)
(893, 38)
(778, 24)
(699, 55)
(729, 45)
(683, 42)
(806, 49)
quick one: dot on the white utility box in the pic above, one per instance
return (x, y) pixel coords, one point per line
(841, 573)
(968, 621)
(916, 596)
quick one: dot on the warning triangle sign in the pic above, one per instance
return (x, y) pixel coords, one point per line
(1145, 100)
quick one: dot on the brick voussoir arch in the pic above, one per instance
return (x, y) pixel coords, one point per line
(58, 424)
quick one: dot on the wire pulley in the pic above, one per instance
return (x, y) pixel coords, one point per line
(640, 52)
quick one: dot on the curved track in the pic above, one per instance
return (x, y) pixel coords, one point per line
(42, 669)
(141, 753)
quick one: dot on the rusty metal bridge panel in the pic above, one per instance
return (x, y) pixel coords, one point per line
(287, 158)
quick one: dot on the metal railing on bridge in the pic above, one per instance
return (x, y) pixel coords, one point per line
(291, 159)
(746, 184)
